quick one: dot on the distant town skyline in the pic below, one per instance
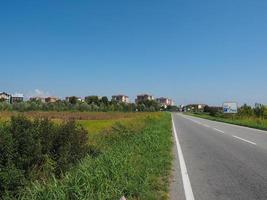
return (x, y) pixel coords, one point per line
(144, 99)
(43, 94)
(190, 51)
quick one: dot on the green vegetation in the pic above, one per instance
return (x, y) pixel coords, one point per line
(35, 150)
(246, 116)
(128, 156)
(97, 126)
(91, 104)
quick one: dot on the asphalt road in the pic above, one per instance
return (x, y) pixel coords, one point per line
(218, 161)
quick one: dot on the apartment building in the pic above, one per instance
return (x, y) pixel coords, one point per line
(51, 99)
(144, 97)
(165, 102)
(121, 98)
(16, 98)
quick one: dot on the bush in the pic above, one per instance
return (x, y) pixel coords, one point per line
(31, 150)
(213, 111)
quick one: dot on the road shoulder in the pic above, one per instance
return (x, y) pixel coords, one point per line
(176, 184)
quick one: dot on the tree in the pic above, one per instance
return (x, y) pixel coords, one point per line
(245, 110)
(259, 111)
(92, 99)
(148, 105)
(73, 100)
(2, 100)
(211, 110)
(105, 100)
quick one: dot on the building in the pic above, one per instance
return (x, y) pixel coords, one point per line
(4, 97)
(16, 98)
(164, 102)
(51, 99)
(195, 107)
(144, 97)
(121, 98)
(41, 99)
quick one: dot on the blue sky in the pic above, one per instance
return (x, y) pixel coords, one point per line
(193, 51)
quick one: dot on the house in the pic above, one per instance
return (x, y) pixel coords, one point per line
(16, 98)
(41, 99)
(51, 99)
(121, 98)
(164, 102)
(144, 97)
(4, 97)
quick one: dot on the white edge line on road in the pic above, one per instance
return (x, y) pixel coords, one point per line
(218, 130)
(244, 140)
(206, 125)
(228, 124)
(195, 121)
(186, 181)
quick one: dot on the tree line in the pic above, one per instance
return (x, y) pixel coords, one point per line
(90, 104)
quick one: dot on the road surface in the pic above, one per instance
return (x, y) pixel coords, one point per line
(218, 161)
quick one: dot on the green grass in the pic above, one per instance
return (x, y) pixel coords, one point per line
(251, 122)
(97, 126)
(135, 161)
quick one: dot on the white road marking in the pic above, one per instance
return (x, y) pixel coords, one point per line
(244, 140)
(197, 122)
(186, 181)
(233, 125)
(218, 130)
(192, 120)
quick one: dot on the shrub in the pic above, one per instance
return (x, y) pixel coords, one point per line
(31, 150)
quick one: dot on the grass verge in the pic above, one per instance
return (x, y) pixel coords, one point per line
(134, 161)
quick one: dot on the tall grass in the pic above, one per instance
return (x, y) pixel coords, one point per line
(134, 161)
(97, 126)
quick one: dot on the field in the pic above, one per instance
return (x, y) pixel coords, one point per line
(76, 115)
(252, 122)
(93, 122)
(132, 158)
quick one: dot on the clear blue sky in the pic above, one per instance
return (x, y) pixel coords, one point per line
(193, 51)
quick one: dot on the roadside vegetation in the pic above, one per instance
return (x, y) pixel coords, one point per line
(36, 150)
(59, 159)
(246, 116)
